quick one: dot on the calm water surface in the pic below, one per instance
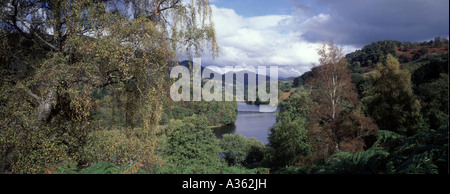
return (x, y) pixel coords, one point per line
(250, 123)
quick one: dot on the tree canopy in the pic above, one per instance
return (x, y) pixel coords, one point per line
(390, 101)
(56, 53)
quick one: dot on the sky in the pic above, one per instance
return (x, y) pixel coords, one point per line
(287, 33)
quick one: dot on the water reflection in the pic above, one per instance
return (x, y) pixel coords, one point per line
(250, 123)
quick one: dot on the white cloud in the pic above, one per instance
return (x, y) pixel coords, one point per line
(262, 40)
(291, 41)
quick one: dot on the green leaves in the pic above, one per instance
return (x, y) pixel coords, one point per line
(289, 140)
(288, 136)
(390, 101)
(423, 153)
(125, 52)
(239, 151)
(190, 147)
(217, 113)
(235, 148)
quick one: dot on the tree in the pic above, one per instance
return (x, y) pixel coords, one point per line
(289, 141)
(235, 149)
(430, 86)
(336, 122)
(256, 153)
(415, 55)
(390, 100)
(373, 53)
(434, 100)
(332, 88)
(300, 81)
(191, 147)
(361, 83)
(403, 58)
(437, 42)
(288, 136)
(239, 151)
(423, 51)
(72, 48)
(423, 153)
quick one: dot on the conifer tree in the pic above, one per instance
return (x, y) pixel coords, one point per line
(390, 100)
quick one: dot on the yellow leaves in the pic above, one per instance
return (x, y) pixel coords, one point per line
(123, 146)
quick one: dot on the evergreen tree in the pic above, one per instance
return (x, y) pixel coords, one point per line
(390, 100)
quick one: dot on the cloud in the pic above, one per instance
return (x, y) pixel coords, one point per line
(261, 41)
(290, 41)
(361, 22)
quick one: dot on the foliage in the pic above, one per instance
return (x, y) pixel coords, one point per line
(434, 100)
(242, 170)
(377, 52)
(423, 153)
(403, 58)
(217, 113)
(361, 83)
(100, 168)
(301, 80)
(415, 55)
(284, 87)
(336, 105)
(430, 70)
(296, 106)
(89, 97)
(430, 84)
(239, 151)
(373, 53)
(287, 138)
(48, 109)
(420, 146)
(234, 148)
(390, 101)
(256, 153)
(122, 147)
(423, 51)
(190, 148)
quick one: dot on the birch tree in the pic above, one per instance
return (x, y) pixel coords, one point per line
(335, 97)
(55, 53)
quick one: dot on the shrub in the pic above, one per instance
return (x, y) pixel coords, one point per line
(122, 147)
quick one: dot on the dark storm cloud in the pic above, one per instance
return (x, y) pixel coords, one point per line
(359, 22)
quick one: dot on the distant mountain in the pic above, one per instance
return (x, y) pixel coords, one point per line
(189, 65)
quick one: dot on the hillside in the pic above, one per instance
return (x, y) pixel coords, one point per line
(431, 49)
(411, 55)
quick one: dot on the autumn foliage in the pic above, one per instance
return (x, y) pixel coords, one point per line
(336, 122)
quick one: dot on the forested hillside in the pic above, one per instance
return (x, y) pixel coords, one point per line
(84, 88)
(405, 103)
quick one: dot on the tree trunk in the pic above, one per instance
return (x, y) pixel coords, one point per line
(46, 105)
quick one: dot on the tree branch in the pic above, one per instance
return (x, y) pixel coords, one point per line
(159, 9)
(47, 43)
(14, 21)
(29, 92)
